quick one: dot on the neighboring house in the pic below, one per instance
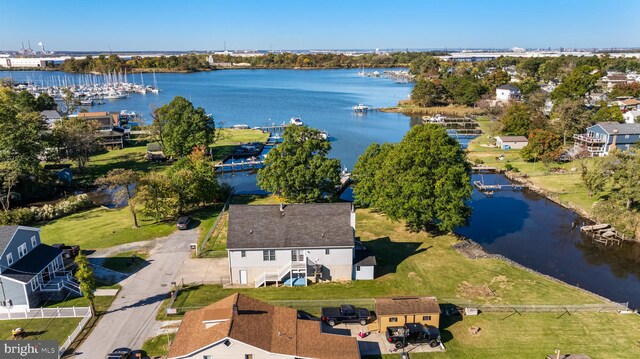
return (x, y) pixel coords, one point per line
(603, 137)
(51, 117)
(631, 116)
(629, 104)
(594, 98)
(611, 80)
(30, 271)
(291, 243)
(511, 142)
(240, 327)
(391, 312)
(507, 93)
(110, 134)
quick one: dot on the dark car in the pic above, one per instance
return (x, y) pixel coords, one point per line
(120, 353)
(183, 222)
(68, 252)
(346, 313)
(413, 333)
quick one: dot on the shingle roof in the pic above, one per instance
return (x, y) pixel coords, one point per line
(93, 114)
(623, 128)
(274, 329)
(296, 226)
(32, 263)
(406, 305)
(512, 138)
(508, 87)
(616, 78)
(6, 233)
(364, 258)
(630, 102)
(51, 114)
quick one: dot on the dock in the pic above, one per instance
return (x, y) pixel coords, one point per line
(239, 166)
(490, 188)
(605, 233)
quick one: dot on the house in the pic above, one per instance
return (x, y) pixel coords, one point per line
(511, 142)
(603, 137)
(613, 79)
(631, 116)
(291, 243)
(109, 131)
(30, 271)
(392, 312)
(507, 93)
(51, 117)
(240, 327)
(629, 104)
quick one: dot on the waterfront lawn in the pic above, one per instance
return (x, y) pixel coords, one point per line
(230, 138)
(127, 158)
(158, 346)
(57, 329)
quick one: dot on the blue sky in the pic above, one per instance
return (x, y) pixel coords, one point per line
(311, 24)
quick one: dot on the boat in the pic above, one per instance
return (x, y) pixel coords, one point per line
(360, 108)
(240, 127)
(324, 135)
(435, 119)
(296, 121)
(86, 102)
(116, 95)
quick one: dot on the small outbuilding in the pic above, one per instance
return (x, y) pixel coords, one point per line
(391, 312)
(511, 142)
(364, 264)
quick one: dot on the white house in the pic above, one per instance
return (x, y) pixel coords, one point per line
(291, 243)
(631, 116)
(507, 93)
(511, 142)
(240, 327)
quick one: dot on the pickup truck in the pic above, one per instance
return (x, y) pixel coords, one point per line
(346, 313)
(68, 252)
(413, 333)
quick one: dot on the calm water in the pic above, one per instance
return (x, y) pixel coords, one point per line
(522, 226)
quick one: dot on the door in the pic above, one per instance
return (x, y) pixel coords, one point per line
(243, 277)
(45, 274)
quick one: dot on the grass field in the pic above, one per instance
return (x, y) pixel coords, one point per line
(126, 262)
(127, 158)
(44, 329)
(158, 346)
(230, 138)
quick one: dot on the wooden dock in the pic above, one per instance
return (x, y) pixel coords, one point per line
(482, 187)
(605, 233)
(247, 165)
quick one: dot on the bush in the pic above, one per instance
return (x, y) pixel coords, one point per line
(24, 216)
(508, 167)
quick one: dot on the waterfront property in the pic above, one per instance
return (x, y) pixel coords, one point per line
(109, 131)
(30, 271)
(291, 243)
(507, 93)
(603, 137)
(242, 327)
(393, 312)
(511, 142)
(51, 117)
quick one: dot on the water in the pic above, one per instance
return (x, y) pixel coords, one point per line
(522, 226)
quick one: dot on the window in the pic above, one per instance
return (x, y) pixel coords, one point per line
(56, 265)
(34, 284)
(269, 255)
(297, 255)
(626, 136)
(248, 356)
(393, 320)
(22, 250)
(9, 259)
(327, 251)
(34, 242)
(357, 268)
(243, 254)
(426, 317)
(207, 357)
(227, 342)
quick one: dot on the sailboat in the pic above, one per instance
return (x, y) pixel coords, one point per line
(362, 73)
(155, 84)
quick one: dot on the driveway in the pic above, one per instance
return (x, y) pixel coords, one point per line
(131, 317)
(204, 271)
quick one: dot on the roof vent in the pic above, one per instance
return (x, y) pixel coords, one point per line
(251, 231)
(235, 309)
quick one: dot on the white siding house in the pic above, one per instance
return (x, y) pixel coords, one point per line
(511, 142)
(507, 93)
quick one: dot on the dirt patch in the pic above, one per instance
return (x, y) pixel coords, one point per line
(471, 249)
(475, 291)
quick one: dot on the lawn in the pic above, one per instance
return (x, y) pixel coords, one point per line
(44, 329)
(127, 158)
(126, 262)
(230, 138)
(158, 346)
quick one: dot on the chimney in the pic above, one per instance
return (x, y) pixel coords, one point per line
(235, 309)
(615, 140)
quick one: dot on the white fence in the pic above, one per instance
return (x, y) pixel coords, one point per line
(75, 332)
(70, 312)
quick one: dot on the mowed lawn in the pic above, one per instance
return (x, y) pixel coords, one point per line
(43, 329)
(230, 138)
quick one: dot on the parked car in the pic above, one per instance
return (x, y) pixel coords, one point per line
(183, 222)
(413, 333)
(346, 313)
(68, 252)
(120, 353)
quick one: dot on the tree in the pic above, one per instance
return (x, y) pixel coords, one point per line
(516, 120)
(626, 89)
(424, 179)
(429, 93)
(528, 86)
(182, 127)
(543, 145)
(607, 114)
(45, 102)
(78, 139)
(570, 117)
(497, 78)
(299, 169)
(194, 180)
(119, 181)
(155, 196)
(86, 279)
(580, 82)
(465, 89)
(620, 172)
(69, 101)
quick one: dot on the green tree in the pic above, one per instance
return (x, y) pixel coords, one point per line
(497, 78)
(424, 179)
(631, 89)
(516, 120)
(194, 180)
(543, 145)
(155, 196)
(528, 86)
(45, 102)
(465, 89)
(78, 139)
(580, 82)
(570, 117)
(69, 101)
(429, 93)
(119, 181)
(86, 279)
(607, 113)
(181, 127)
(620, 172)
(299, 169)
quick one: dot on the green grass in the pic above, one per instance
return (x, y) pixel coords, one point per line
(127, 158)
(126, 262)
(230, 138)
(158, 346)
(44, 329)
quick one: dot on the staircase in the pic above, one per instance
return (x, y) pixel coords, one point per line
(60, 280)
(282, 274)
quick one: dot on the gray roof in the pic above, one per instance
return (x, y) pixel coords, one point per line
(311, 225)
(51, 114)
(508, 87)
(623, 128)
(6, 233)
(364, 258)
(513, 138)
(32, 263)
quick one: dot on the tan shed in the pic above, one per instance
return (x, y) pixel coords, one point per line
(391, 312)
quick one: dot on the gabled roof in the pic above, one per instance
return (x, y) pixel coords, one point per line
(6, 233)
(630, 102)
(623, 128)
(312, 225)
(51, 114)
(616, 78)
(33, 262)
(406, 305)
(508, 87)
(93, 114)
(512, 138)
(364, 258)
(270, 328)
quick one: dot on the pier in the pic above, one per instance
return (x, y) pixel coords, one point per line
(242, 166)
(481, 186)
(605, 233)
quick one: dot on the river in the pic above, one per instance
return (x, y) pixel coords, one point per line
(522, 226)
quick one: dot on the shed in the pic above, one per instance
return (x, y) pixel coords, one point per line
(511, 142)
(364, 263)
(398, 311)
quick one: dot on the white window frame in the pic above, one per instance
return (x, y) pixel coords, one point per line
(34, 284)
(269, 255)
(9, 259)
(357, 268)
(55, 265)
(24, 248)
(34, 242)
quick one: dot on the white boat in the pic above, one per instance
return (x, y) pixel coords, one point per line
(87, 102)
(240, 127)
(435, 119)
(296, 121)
(361, 108)
(324, 135)
(116, 95)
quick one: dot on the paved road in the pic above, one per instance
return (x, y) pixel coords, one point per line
(131, 317)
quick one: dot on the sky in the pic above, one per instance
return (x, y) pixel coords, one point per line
(180, 25)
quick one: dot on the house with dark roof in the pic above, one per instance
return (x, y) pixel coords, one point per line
(51, 117)
(603, 137)
(110, 133)
(30, 271)
(508, 92)
(245, 328)
(291, 244)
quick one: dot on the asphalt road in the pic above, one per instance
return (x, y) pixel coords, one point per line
(131, 317)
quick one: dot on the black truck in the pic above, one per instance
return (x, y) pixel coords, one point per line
(413, 333)
(346, 313)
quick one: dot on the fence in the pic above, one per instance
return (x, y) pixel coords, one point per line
(203, 245)
(75, 333)
(70, 312)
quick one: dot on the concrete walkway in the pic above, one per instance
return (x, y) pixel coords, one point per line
(131, 317)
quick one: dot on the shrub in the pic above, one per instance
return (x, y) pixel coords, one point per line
(47, 212)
